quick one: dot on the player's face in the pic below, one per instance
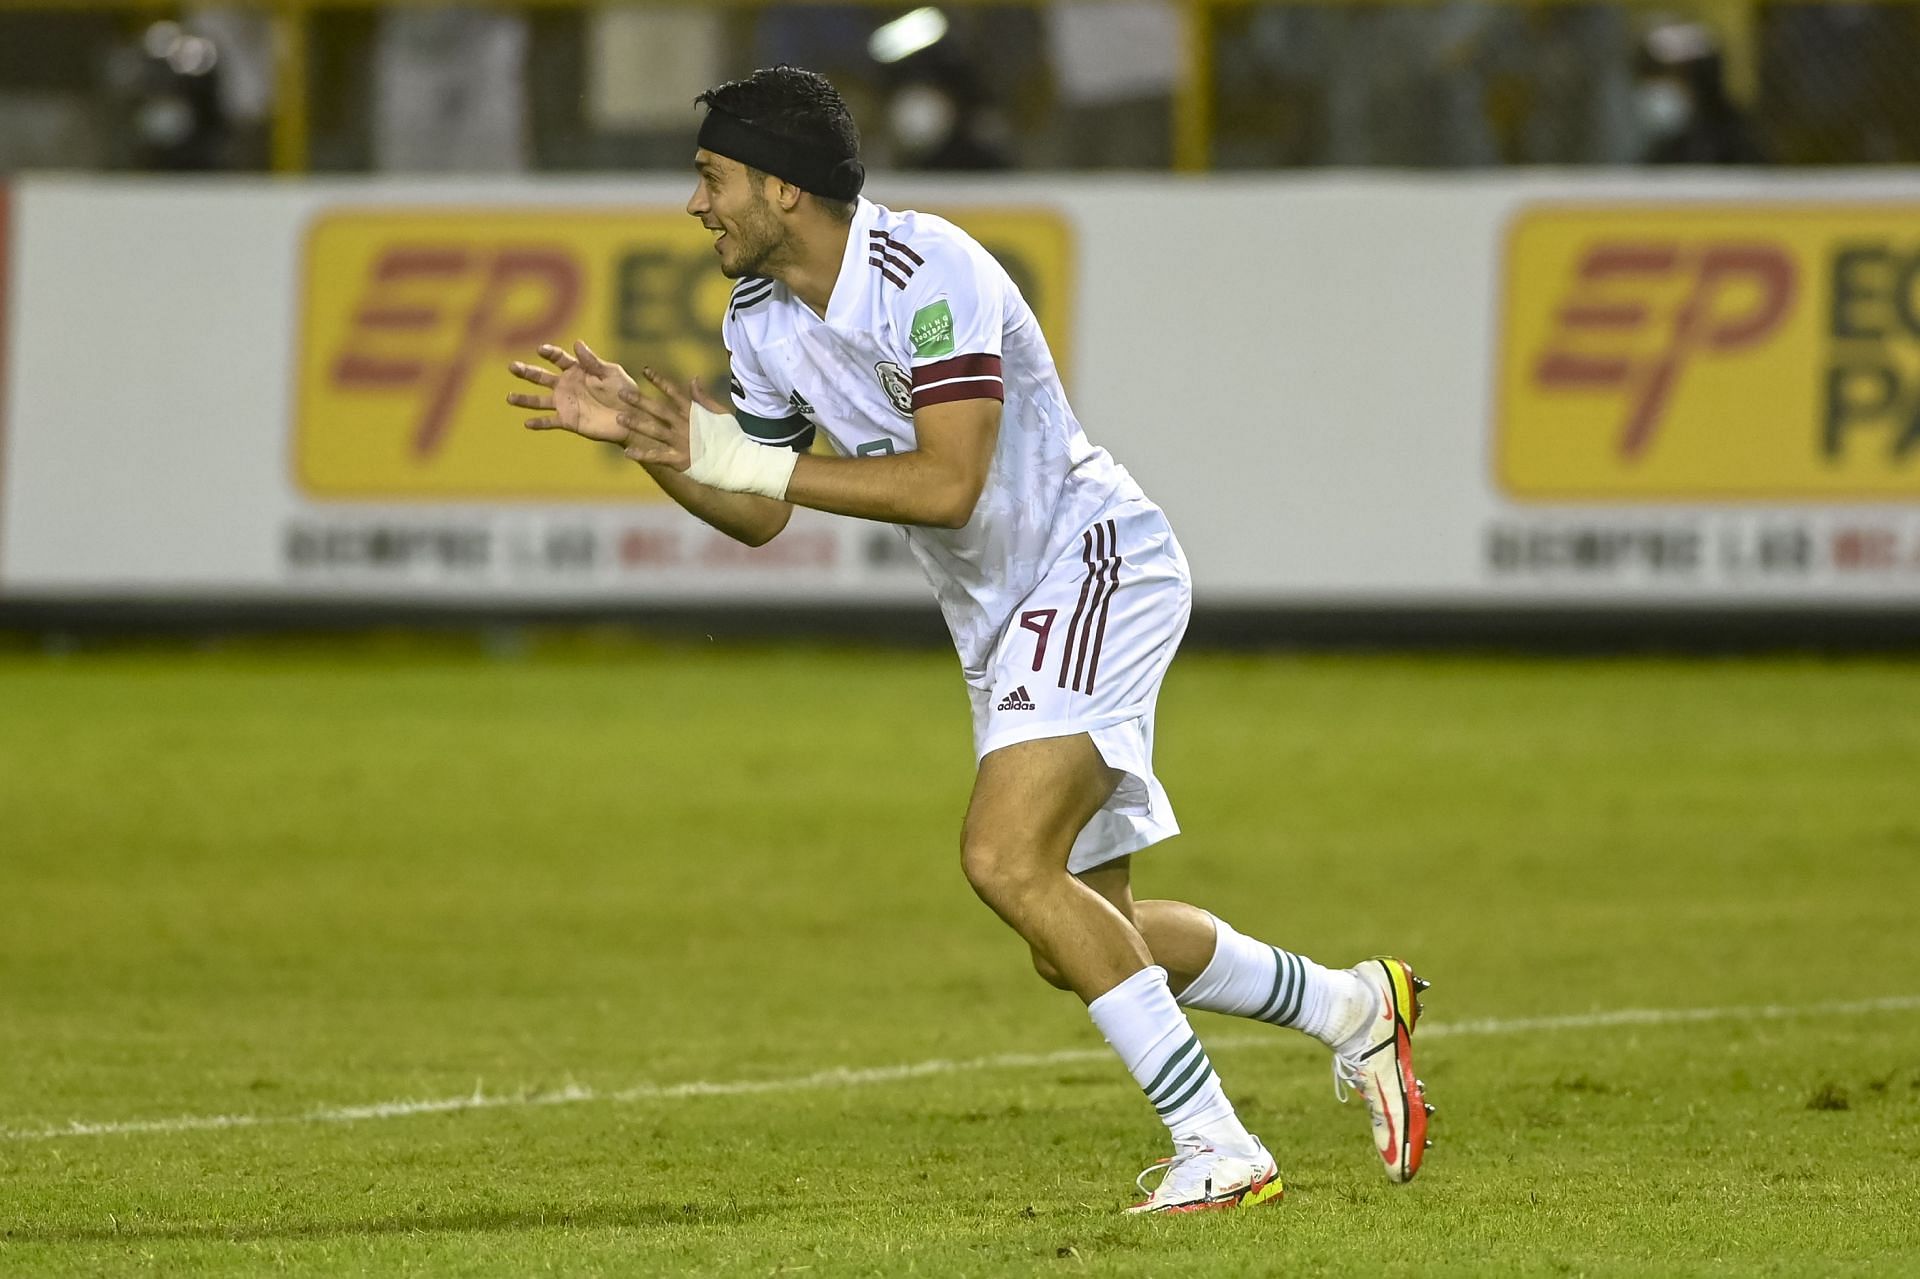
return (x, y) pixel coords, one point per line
(729, 200)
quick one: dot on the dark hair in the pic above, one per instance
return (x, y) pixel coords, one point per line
(793, 103)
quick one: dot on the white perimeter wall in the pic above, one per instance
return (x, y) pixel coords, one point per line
(1302, 371)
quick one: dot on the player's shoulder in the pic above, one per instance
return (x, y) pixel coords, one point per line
(917, 253)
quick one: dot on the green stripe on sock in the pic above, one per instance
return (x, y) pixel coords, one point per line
(1198, 1060)
(1193, 1041)
(1275, 997)
(1290, 1006)
(1191, 1092)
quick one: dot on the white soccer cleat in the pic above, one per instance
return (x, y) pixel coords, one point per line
(1378, 1064)
(1201, 1179)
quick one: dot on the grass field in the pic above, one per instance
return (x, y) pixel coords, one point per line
(275, 883)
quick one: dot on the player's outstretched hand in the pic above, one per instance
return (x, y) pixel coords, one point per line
(661, 425)
(583, 397)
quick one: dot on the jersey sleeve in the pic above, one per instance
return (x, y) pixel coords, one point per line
(955, 311)
(762, 411)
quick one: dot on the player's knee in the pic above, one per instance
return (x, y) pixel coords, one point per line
(1048, 973)
(997, 869)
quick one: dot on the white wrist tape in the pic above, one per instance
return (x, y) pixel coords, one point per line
(726, 457)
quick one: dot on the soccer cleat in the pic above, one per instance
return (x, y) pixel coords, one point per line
(1202, 1179)
(1378, 1064)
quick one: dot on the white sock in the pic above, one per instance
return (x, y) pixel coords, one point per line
(1248, 978)
(1146, 1027)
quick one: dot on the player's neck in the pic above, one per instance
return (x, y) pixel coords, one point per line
(818, 249)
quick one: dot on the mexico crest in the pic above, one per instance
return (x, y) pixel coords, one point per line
(898, 386)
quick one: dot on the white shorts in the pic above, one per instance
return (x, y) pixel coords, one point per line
(1085, 652)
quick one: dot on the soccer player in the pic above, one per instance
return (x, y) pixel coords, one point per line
(902, 340)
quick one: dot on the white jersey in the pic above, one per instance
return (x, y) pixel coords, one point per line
(921, 314)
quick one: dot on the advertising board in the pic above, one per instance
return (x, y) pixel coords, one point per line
(1712, 353)
(1548, 390)
(408, 317)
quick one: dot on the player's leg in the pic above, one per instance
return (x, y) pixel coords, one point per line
(1243, 977)
(1183, 952)
(1365, 1014)
(1213, 967)
(1030, 802)
(1063, 734)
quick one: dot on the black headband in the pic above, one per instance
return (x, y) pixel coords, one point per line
(806, 165)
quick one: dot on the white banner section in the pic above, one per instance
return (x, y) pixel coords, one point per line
(1345, 391)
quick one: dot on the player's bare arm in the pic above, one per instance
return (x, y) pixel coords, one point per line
(936, 485)
(583, 394)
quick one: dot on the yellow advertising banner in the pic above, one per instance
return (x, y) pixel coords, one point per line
(410, 316)
(1711, 352)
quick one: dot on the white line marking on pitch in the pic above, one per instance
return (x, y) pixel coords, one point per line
(857, 1077)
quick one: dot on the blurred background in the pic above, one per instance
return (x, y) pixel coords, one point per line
(1550, 320)
(337, 87)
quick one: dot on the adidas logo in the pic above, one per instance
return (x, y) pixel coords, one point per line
(1017, 700)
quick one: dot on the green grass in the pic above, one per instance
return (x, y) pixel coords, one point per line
(264, 881)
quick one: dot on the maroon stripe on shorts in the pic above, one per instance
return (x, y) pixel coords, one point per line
(1113, 584)
(1066, 649)
(1101, 574)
